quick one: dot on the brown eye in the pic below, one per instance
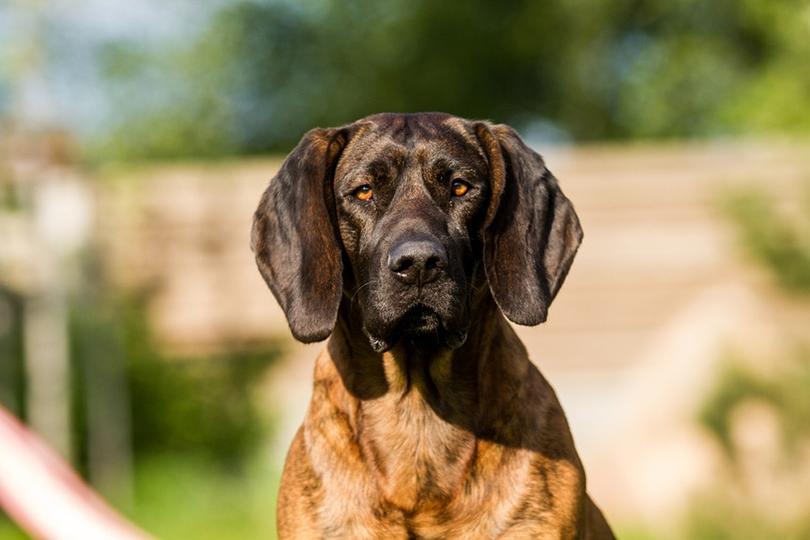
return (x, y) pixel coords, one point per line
(459, 188)
(363, 193)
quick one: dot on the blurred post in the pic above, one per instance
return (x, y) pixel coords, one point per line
(60, 218)
(107, 400)
(47, 366)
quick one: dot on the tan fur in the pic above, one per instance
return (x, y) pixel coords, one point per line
(451, 432)
(470, 444)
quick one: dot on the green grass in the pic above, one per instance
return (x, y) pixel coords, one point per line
(8, 530)
(181, 498)
(178, 498)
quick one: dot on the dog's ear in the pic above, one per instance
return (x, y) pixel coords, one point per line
(531, 230)
(294, 238)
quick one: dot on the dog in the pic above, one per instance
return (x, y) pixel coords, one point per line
(408, 240)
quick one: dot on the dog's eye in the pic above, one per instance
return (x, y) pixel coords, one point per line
(363, 193)
(459, 188)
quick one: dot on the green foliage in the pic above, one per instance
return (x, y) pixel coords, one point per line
(205, 406)
(195, 423)
(715, 517)
(781, 245)
(785, 390)
(9, 197)
(201, 406)
(12, 370)
(264, 72)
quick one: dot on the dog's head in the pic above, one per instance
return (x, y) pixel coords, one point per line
(406, 217)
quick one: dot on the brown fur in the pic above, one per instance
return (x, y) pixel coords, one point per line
(409, 436)
(434, 455)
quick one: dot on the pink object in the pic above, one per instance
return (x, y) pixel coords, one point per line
(46, 498)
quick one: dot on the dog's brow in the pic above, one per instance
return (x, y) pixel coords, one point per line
(462, 137)
(387, 156)
(448, 163)
(378, 168)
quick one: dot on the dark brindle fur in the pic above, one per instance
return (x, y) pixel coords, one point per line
(427, 419)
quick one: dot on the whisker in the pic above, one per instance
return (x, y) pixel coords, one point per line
(360, 288)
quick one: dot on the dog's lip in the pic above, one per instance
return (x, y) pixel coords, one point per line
(418, 322)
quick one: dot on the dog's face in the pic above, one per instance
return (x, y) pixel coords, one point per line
(406, 218)
(410, 198)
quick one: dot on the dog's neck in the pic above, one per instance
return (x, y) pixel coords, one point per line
(438, 374)
(416, 410)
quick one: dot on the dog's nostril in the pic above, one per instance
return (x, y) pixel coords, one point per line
(434, 262)
(401, 264)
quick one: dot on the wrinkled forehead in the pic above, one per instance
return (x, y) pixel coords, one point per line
(386, 142)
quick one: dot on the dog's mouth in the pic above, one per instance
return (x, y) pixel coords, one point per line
(422, 324)
(418, 321)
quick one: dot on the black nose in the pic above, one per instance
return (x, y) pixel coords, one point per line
(417, 261)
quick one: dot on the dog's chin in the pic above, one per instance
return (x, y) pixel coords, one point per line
(419, 321)
(419, 325)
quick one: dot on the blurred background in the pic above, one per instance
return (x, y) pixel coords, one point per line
(138, 339)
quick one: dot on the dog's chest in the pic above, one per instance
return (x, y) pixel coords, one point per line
(436, 479)
(418, 457)
(403, 465)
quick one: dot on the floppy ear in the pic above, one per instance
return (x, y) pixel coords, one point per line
(294, 240)
(531, 232)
